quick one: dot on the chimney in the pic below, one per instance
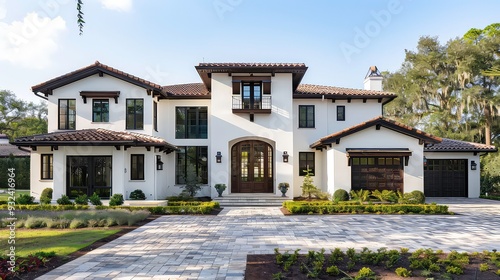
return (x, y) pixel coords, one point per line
(373, 79)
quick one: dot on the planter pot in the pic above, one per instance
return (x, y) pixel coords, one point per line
(283, 191)
(220, 192)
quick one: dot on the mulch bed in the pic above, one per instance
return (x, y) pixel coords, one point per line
(264, 266)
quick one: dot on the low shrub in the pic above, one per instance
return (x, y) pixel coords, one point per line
(137, 195)
(46, 196)
(25, 199)
(34, 222)
(414, 197)
(82, 200)
(328, 207)
(340, 195)
(95, 199)
(403, 272)
(64, 200)
(47, 207)
(116, 200)
(77, 223)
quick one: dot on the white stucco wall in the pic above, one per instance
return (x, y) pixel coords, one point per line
(84, 111)
(373, 139)
(227, 128)
(473, 176)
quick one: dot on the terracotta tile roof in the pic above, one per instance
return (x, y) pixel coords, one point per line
(305, 90)
(7, 149)
(378, 121)
(251, 64)
(91, 137)
(97, 67)
(187, 90)
(450, 145)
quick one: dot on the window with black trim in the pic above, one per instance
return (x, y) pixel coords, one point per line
(306, 162)
(306, 116)
(192, 161)
(47, 166)
(155, 116)
(100, 110)
(136, 167)
(191, 122)
(340, 113)
(67, 113)
(135, 114)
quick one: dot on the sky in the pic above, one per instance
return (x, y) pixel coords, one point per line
(162, 40)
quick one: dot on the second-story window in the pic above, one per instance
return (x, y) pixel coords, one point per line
(67, 113)
(191, 123)
(306, 116)
(340, 113)
(100, 110)
(135, 114)
(155, 116)
(252, 95)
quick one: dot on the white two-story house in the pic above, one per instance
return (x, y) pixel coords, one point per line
(247, 125)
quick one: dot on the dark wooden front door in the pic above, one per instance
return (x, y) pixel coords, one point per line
(377, 173)
(252, 167)
(446, 178)
(88, 174)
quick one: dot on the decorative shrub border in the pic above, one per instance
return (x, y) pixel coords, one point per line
(492, 197)
(174, 208)
(328, 207)
(46, 207)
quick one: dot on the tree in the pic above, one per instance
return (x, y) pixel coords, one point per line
(308, 187)
(192, 185)
(80, 21)
(19, 118)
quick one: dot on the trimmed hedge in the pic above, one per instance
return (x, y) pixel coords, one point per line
(177, 208)
(492, 197)
(46, 207)
(327, 207)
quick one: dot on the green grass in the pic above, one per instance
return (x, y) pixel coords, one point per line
(63, 242)
(4, 196)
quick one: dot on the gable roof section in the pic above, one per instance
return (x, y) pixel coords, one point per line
(6, 150)
(94, 137)
(205, 70)
(193, 90)
(97, 68)
(450, 145)
(377, 122)
(331, 92)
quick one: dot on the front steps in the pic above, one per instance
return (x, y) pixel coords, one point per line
(251, 199)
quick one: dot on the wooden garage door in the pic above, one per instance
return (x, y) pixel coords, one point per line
(445, 178)
(377, 173)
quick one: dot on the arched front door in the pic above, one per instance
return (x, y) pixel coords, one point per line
(252, 167)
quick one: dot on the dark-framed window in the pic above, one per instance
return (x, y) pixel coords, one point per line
(137, 167)
(306, 116)
(135, 114)
(306, 162)
(191, 123)
(67, 113)
(155, 116)
(191, 161)
(47, 171)
(340, 113)
(100, 110)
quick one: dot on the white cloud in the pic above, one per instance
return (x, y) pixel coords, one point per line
(3, 9)
(117, 5)
(32, 42)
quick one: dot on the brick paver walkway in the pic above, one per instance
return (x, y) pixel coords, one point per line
(215, 247)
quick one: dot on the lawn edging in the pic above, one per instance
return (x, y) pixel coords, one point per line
(329, 207)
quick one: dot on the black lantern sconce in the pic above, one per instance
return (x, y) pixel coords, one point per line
(473, 165)
(285, 156)
(159, 163)
(218, 157)
(425, 161)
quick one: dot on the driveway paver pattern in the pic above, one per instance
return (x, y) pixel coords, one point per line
(216, 247)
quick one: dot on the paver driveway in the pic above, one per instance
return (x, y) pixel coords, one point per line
(215, 247)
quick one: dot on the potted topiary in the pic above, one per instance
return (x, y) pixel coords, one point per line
(283, 188)
(220, 188)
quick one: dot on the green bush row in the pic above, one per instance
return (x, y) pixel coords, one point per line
(490, 197)
(333, 208)
(46, 207)
(200, 208)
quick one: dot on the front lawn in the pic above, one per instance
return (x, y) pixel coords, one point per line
(63, 242)
(4, 196)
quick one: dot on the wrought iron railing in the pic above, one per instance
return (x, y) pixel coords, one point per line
(262, 103)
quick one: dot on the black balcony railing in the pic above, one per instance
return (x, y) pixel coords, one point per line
(256, 105)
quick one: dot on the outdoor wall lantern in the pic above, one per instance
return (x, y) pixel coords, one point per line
(218, 157)
(425, 161)
(473, 165)
(159, 163)
(285, 156)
